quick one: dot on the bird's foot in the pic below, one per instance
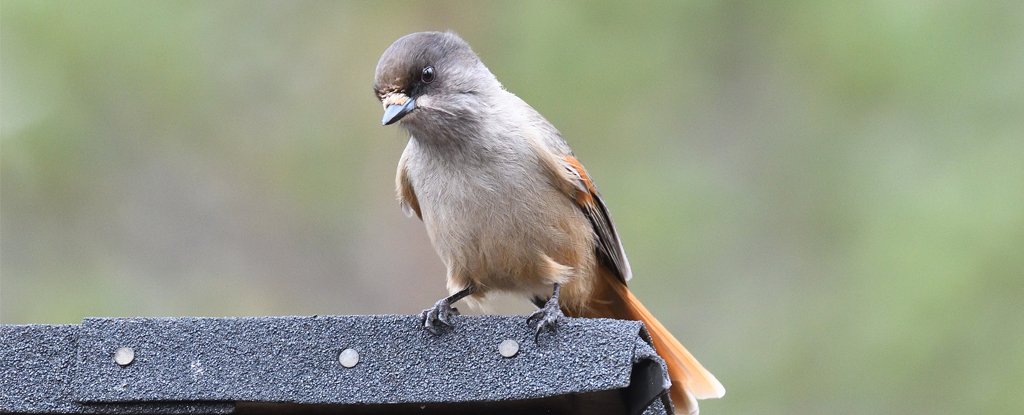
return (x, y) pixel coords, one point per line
(437, 318)
(547, 316)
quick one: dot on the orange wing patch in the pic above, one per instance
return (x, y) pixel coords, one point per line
(406, 194)
(586, 197)
(582, 198)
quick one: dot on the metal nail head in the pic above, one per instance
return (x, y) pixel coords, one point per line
(508, 348)
(124, 356)
(348, 357)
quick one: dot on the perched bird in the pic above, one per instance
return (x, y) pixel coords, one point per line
(506, 204)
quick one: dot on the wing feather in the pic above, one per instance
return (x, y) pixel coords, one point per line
(569, 176)
(405, 192)
(589, 200)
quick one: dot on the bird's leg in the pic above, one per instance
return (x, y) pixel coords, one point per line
(440, 315)
(547, 315)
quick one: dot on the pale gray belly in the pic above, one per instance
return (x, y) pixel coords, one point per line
(494, 230)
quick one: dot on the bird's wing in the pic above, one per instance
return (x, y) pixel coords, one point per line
(569, 175)
(589, 200)
(403, 187)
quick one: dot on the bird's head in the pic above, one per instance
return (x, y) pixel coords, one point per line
(432, 81)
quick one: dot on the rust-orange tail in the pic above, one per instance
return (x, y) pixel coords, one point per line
(690, 381)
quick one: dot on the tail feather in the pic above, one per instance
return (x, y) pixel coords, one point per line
(690, 381)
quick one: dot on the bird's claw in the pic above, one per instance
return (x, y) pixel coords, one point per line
(545, 317)
(437, 318)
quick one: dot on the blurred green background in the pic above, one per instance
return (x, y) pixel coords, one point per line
(824, 201)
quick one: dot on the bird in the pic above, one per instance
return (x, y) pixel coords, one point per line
(505, 202)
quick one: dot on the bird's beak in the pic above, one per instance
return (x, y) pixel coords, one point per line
(396, 106)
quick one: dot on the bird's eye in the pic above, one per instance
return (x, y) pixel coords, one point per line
(428, 74)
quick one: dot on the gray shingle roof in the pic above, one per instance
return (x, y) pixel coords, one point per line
(223, 365)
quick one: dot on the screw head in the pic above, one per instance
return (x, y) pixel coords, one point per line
(508, 348)
(348, 357)
(124, 356)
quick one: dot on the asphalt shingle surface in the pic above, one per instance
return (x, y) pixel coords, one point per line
(36, 362)
(195, 361)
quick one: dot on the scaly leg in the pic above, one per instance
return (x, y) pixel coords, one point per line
(440, 315)
(548, 315)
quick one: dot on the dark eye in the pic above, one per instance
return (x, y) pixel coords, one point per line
(428, 74)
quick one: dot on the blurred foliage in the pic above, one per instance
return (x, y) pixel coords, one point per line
(825, 200)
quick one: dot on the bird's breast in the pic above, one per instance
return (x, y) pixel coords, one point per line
(496, 217)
